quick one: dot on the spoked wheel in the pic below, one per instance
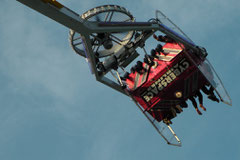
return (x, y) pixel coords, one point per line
(104, 44)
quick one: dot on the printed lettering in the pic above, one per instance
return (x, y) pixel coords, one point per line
(186, 64)
(150, 95)
(160, 87)
(181, 68)
(177, 72)
(165, 80)
(146, 98)
(164, 83)
(155, 90)
(168, 79)
(172, 75)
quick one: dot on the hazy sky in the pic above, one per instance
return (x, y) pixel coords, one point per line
(52, 108)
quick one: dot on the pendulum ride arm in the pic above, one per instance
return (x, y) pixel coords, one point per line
(72, 20)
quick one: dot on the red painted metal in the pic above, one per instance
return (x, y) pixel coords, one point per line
(155, 89)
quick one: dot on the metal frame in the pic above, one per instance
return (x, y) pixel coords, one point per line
(73, 21)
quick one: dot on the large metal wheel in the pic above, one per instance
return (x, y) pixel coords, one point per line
(104, 44)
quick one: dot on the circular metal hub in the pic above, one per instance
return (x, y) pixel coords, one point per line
(104, 44)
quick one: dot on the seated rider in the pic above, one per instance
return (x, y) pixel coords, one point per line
(209, 92)
(195, 105)
(200, 99)
(170, 115)
(161, 38)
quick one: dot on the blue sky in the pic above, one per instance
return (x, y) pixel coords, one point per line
(52, 108)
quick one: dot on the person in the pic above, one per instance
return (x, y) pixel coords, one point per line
(200, 99)
(161, 38)
(148, 59)
(138, 68)
(125, 76)
(192, 99)
(178, 108)
(167, 121)
(170, 115)
(184, 104)
(209, 92)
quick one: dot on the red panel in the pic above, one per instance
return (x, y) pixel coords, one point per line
(157, 93)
